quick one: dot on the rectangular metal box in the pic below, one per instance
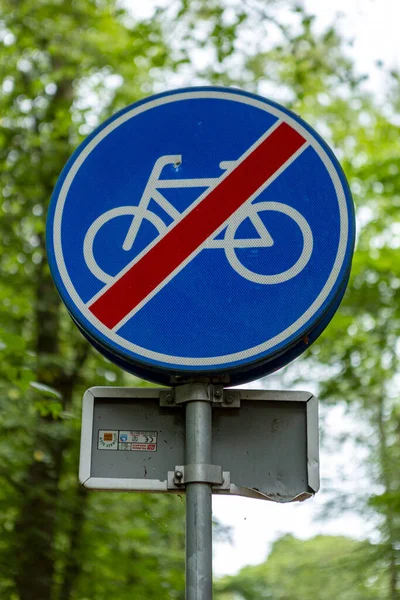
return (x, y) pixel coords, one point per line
(267, 448)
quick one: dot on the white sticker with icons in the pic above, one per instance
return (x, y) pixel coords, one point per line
(138, 440)
(114, 439)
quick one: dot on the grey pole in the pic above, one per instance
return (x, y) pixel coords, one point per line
(198, 503)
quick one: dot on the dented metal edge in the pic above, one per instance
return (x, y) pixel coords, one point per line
(256, 494)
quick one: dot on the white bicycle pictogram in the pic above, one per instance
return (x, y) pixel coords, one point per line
(229, 242)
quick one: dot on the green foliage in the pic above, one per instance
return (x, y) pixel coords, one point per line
(142, 539)
(322, 568)
(64, 68)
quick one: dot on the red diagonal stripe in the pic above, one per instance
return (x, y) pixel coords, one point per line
(197, 226)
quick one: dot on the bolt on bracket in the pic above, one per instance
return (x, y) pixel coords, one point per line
(201, 473)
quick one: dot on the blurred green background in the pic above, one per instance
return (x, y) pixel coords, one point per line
(64, 68)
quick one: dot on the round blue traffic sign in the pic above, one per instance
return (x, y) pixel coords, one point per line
(201, 232)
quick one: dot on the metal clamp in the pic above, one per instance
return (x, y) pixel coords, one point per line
(216, 394)
(201, 473)
(193, 392)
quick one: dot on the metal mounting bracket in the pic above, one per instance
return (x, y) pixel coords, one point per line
(201, 473)
(216, 394)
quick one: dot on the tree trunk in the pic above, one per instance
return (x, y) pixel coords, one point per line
(35, 527)
(72, 566)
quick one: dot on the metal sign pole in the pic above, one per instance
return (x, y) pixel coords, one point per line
(198, 501)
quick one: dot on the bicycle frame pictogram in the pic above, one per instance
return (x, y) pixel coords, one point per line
(229, 243)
